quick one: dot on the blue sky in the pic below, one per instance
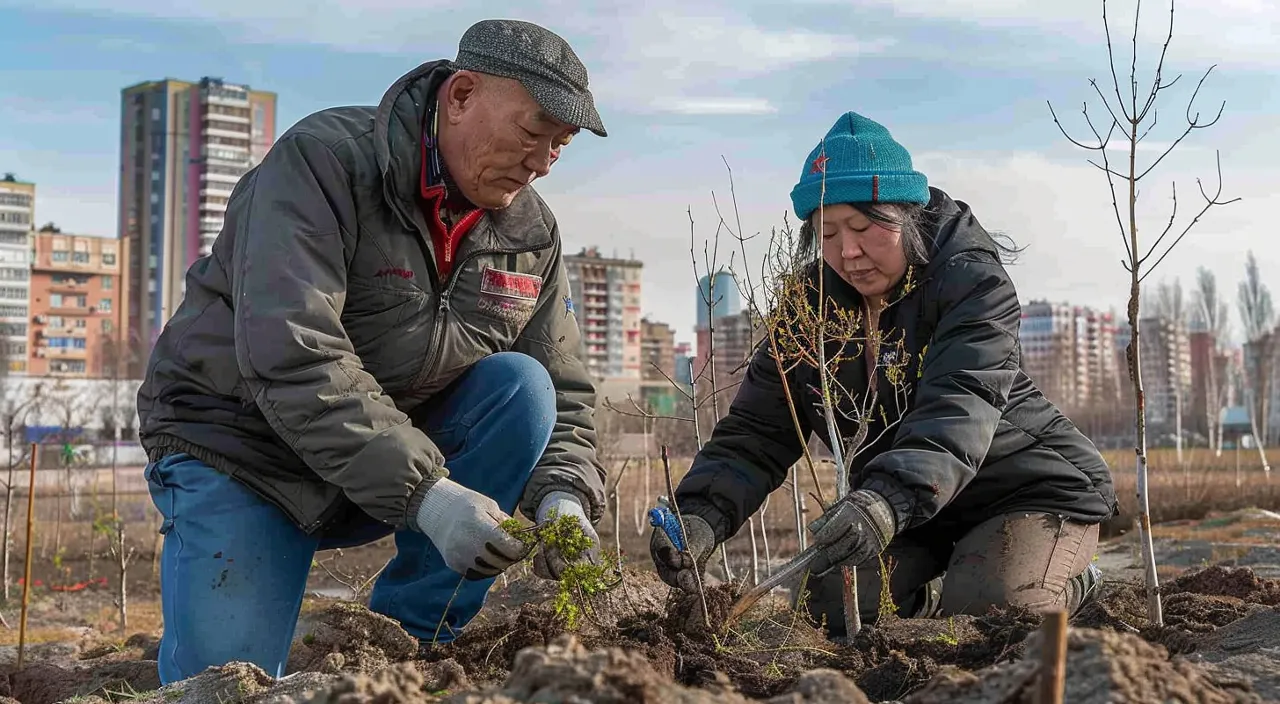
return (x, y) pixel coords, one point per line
(962, 83)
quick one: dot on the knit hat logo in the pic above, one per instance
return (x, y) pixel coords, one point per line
(860, 162)
(819, 164)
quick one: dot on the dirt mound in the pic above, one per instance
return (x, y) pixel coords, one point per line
(1247, 650)
(47, 683)
(399, 684)
(1238, 582)
(347, 637)
(1102, 666)
(566, 671)
(897, 656)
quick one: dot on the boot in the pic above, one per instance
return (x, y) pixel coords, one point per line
(1083, 588)
(929, 599)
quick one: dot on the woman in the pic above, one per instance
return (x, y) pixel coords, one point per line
(975, 485)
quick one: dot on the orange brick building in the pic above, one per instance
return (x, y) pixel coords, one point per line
(77, 286)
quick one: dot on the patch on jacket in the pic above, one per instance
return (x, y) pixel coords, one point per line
(509, 296)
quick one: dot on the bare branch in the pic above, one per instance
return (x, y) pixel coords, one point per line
(1209, 203)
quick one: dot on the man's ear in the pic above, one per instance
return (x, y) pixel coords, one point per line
(460, 92)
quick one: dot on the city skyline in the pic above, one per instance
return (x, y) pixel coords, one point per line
(755, 87)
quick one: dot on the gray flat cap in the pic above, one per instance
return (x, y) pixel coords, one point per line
(543, 63)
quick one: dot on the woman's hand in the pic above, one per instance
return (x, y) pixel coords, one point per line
(677, 568)
(854, 530)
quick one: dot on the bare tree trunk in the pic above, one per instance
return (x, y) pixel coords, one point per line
(797, 498)
(764, 538)
(1177, 419)
(8, 505)
(1154, 609)
(617, 520)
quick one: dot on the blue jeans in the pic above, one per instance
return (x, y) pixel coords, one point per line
(234, 567)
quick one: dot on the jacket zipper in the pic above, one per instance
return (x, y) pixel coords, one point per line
(442, 308)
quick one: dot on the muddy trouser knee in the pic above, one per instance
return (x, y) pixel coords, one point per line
(1033, 560)
(233, 571)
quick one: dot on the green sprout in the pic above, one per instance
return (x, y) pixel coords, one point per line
(580, 580)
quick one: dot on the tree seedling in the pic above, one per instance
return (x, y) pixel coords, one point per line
(581, 580)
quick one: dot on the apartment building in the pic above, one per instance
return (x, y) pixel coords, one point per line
(1166, 372)
(1071, 352)
(17, 217)
(606, 300)
(658, 348)
(183, 147)
(735, 337)
(77, 284)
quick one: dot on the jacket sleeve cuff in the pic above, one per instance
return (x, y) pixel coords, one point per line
(537, 492)
(713, 516)
(415, 503)
(902, 502)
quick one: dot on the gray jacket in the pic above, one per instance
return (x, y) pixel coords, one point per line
(318, 325)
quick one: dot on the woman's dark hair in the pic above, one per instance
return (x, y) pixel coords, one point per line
(912, 220)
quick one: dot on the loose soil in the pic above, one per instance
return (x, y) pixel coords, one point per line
(642, 642)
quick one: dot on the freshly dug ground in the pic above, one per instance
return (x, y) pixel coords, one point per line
(640, 643)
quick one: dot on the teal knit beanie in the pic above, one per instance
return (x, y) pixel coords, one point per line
(862, 164)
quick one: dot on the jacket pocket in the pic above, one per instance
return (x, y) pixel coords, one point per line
(376, 319)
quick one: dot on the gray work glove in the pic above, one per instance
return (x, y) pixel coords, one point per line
(676, 568)
(464, 526)
(854, 530)
(548, 563)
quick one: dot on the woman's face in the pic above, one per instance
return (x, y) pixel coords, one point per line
(867, 254)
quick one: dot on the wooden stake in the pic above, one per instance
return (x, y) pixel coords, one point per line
(26, 567)
(1053, 658)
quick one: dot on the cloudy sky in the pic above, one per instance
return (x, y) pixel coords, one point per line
(683, 84)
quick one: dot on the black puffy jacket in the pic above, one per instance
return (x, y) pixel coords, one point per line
(975, 439)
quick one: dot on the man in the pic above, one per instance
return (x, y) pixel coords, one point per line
(382, 341)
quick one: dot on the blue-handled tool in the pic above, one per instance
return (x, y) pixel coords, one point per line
(662, 517)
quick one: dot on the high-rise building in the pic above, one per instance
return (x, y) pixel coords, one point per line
(17, 217)
(1070, 353)
(735, 337)
(684, 357)
(659, 392)
(657, 344)
(717, 297)
(183, 147)
(606, 294)
(1166, 372)
(77, 283)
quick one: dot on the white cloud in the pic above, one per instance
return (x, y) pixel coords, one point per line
(1233, 31)
(714, 106)
(633, 51)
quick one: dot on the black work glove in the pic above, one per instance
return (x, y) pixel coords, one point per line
(854, 530)
(677, 568)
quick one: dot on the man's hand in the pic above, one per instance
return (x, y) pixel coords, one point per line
(676, 568)
(854, 530)
(549, 563)
(465, 527)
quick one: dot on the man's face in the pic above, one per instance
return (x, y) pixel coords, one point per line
(495, 139)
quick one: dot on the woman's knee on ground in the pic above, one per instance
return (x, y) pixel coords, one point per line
(1020, 560)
